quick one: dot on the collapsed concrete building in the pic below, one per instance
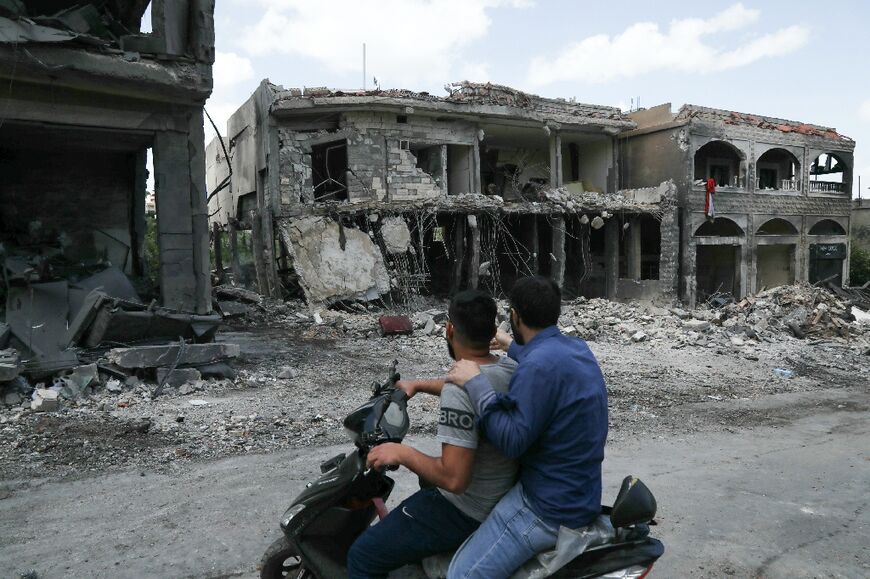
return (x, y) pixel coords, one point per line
(86, 95)
(782, 200)
(356, 194)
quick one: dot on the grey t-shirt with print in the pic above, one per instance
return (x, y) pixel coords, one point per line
(493, 474)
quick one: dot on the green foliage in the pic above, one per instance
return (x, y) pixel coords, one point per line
(859, 265)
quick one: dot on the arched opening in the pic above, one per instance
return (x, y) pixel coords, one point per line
(717, 262)
(720, 161)
(827, 227)
(777, 226)
(719, 227)
(829, 173)
(777, 169)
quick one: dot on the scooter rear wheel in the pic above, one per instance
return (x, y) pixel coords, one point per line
(282, 561)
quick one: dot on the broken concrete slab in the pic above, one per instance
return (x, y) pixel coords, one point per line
(177, 377)
(334, 262)
(111, 281)
(166, 356)
(696, 325)
(5, 333)
(104, 318)
(218, 370)
(37, 316)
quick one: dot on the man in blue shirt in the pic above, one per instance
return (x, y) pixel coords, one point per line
(554, 420)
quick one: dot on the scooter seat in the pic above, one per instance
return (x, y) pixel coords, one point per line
(634, 504)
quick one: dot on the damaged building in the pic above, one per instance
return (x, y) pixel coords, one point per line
(86, 95)
(780, 196)
(346, 195)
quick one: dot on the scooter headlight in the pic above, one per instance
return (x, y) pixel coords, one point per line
(289, 514)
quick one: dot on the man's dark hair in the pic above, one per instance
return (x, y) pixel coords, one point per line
(472, 313)
(537, 300)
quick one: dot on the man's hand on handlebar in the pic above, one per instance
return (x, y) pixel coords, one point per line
(385, 455)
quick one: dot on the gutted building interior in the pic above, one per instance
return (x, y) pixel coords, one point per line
(88, 96)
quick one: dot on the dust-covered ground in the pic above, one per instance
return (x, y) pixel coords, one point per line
(300, 374)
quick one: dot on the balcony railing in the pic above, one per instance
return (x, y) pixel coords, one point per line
(784, 185)
(827, 187)
(736, 183)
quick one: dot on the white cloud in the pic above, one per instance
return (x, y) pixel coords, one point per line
(864, 110)
(231, 69)
(685, 47)
(407, 41)
(474, 71)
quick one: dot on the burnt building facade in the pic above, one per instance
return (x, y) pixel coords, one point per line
(781, 204)
(358, 194)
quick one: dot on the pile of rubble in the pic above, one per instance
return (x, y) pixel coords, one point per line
(782, 313)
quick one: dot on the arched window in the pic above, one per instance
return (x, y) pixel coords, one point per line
(777, 169)
(719, 227)
(777, 226)
(722, 161)
(829, 173)
(827, 227)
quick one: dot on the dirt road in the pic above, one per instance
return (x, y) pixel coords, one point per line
(786, 499)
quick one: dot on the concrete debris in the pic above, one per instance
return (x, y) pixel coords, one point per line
(164, 356)
(177, 377)
(238, 293)
(45, 400)
(335, 262)
(114, 385)
(232, 309)
(396, 235)
(597, 222)
(288, 373)
(76, 381)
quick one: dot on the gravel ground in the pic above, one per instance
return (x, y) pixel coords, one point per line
(298, 379)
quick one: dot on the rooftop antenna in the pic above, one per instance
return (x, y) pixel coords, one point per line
(364, 66)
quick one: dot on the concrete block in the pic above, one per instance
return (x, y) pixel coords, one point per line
(166, 356)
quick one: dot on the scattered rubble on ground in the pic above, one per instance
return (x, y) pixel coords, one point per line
(298, 373)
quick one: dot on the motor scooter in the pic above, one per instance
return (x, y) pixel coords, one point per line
(325, 519)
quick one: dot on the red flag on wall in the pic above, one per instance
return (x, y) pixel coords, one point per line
(708, 203)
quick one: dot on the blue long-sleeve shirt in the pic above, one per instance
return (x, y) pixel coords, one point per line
(554, 419)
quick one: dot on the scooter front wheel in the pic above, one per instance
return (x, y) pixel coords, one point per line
(282, 561)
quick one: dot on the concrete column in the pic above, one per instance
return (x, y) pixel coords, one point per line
(218, 252)
(182, 220)
(555, 159)
(474, 261)
(633, 249)
(139, 223)
(611, 257)
(444, 177)
(199, 211)
(475, 167)
(558, 237)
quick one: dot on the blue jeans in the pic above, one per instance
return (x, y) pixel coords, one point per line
(511, 535)
(424, 524)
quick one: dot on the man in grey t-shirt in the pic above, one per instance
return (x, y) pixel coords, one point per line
(469, 477)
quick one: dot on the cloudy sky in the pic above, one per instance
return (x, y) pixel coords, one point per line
(793, 60)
